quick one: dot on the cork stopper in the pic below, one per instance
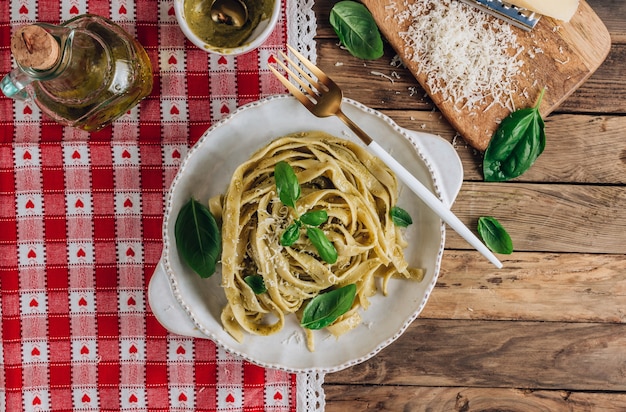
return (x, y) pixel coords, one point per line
(34, 47)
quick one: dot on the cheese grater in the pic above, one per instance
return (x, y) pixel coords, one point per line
(517, 16)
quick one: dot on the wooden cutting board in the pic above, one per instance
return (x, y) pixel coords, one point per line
(571, 52)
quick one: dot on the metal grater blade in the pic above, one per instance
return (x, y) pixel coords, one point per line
(518, 17)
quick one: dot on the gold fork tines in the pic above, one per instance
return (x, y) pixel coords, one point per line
(293, 89)
(327, 97)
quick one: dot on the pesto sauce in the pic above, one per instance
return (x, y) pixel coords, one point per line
(198, 16)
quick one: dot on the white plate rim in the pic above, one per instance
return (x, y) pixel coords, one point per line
(352, 108)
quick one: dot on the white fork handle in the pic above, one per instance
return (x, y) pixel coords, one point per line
(433, 202)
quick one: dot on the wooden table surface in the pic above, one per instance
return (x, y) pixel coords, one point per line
(547, 332)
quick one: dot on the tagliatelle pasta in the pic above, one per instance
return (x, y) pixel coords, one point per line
(355, 188)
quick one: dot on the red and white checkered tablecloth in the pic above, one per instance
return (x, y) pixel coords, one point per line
(80, 233)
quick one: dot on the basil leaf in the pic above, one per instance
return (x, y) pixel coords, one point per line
(287, 184)
(314, 217)
(256, 283)
(198, 238)
(495, 236)
(357, 30)
(324, 247)
(291, 234)
(515, 146)
(400, 217)
(325, 308)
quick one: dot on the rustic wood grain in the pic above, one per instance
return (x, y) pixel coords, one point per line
(463, 399)
(548, 218)
(579, 149)
(549, 287)
(604, 92)
(499, 354)
(547, 332)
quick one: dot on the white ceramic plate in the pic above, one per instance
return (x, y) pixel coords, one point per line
(192, 305)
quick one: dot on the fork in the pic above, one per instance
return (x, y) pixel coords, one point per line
(325, 101)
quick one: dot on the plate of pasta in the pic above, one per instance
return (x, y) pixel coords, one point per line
(325, 259)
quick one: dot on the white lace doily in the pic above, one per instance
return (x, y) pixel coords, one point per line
(310, 393)
(302, 27)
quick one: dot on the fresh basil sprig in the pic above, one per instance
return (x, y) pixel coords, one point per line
(515, 146)
(325, 308)
(287, 184)
(314, 217)
(256, 283)
(324, 247)
(357, 30)
(288, 190)
(495, 236)
(198, 238)
(400, 217)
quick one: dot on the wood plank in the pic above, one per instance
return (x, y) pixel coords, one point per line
(604, 88)
(532, 286)
(499, 354)
(604, 92)
(341, 398)
(547, 331)
(611, 12)
(547, 218)
(579, 149)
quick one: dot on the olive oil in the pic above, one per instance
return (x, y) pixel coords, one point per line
(100, 74)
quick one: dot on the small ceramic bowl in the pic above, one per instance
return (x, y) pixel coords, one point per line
(260, 33)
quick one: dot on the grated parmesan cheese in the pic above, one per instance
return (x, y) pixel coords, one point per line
(470, 58)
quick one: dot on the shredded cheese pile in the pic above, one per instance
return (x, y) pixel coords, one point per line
(467, 56)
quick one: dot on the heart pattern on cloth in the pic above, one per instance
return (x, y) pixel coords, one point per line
(88, 208)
